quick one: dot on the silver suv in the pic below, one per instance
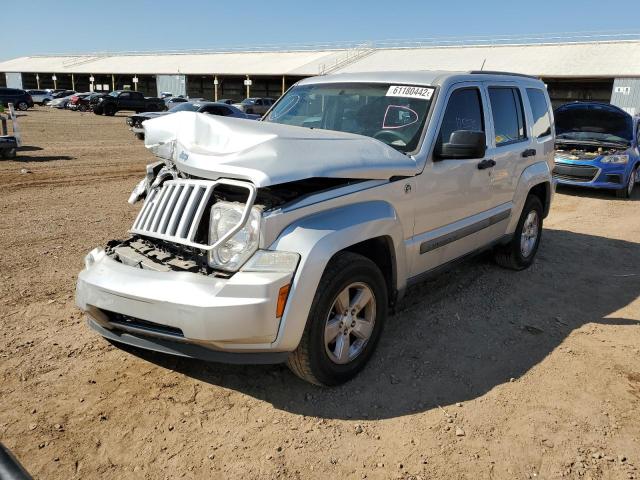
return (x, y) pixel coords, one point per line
(289, 239)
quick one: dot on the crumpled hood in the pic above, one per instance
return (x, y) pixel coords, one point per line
(269, 153)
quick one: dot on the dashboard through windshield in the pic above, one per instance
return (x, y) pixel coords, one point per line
(393, 114)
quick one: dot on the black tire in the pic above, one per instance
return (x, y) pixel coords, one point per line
(9, 153)
(510, 255)
(22, 106)
(627, 190)
(109, 110)
(310, 361)
(140, 136)
(45, 102)
(82, 108)
(98, 110)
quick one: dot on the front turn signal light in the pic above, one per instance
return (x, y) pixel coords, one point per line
(283, 294)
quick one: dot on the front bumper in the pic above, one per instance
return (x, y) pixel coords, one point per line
(590, 175)
(152, 309)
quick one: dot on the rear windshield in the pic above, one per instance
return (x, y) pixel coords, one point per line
(393, 114)
(594, 123)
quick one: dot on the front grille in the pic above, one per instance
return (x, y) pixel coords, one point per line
(575, 173)
(173, 212)
(128, 323)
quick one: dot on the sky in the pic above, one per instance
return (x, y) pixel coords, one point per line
(72, 26)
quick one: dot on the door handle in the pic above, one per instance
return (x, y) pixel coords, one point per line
(484, 164)
(530, 152)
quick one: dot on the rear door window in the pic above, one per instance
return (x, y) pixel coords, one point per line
(508, 115)
(540, 110)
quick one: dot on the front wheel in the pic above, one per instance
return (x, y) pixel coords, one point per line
(626, 191)
(519, 253)
(345, 322)
(22, 106)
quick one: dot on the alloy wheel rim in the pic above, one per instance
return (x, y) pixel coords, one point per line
(530, 232)
(350, 323)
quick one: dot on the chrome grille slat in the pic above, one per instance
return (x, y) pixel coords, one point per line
(173, 211)
(177, 210)
(148, 205)
(189, 211)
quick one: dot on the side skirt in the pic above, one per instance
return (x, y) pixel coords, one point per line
(434, 272)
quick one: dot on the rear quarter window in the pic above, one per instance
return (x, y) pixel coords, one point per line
(540, 110)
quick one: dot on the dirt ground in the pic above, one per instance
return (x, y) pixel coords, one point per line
(482, 373)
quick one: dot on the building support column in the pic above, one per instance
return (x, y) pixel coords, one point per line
(215, 88)
(73, 82)
(248, 84)
(113, 82)
(38, 81)
(284, 87)
(54, 77)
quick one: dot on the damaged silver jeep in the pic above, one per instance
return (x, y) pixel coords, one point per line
(291, 238)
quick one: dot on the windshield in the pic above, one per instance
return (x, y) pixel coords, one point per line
(393, 114)
(248, 101)
(593, 123)
(186, 107)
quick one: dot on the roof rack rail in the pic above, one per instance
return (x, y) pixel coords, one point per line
(492, 72)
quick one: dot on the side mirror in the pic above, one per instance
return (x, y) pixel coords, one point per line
(463, 144)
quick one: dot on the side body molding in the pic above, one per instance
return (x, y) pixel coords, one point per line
(317, 238)
(531, 176)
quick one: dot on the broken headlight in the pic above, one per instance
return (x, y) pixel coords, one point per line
(231, 254)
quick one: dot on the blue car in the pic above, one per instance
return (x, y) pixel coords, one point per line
(597, 147)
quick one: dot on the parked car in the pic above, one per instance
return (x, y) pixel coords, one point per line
(211, 108)
(20, 98)
(255, 105)
(597, 147)
(171, 102)
(127, 100)
(268, 242)
(41, 97)
(63, 93)
(76, 99)
(85, 101)
(227, 101)
(60, 102)
(94, 99)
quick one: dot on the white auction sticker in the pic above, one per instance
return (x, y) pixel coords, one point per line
(425, 93)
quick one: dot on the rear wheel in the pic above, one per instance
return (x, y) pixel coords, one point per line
(45, 102)
(8, 152)
(345, 322)
(109, 110)
(82, 108)
(519, 253)
(140, 136)
(627, 190)
(22, 106)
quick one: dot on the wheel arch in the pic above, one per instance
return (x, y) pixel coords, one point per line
(535, 179)
(368, 228)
